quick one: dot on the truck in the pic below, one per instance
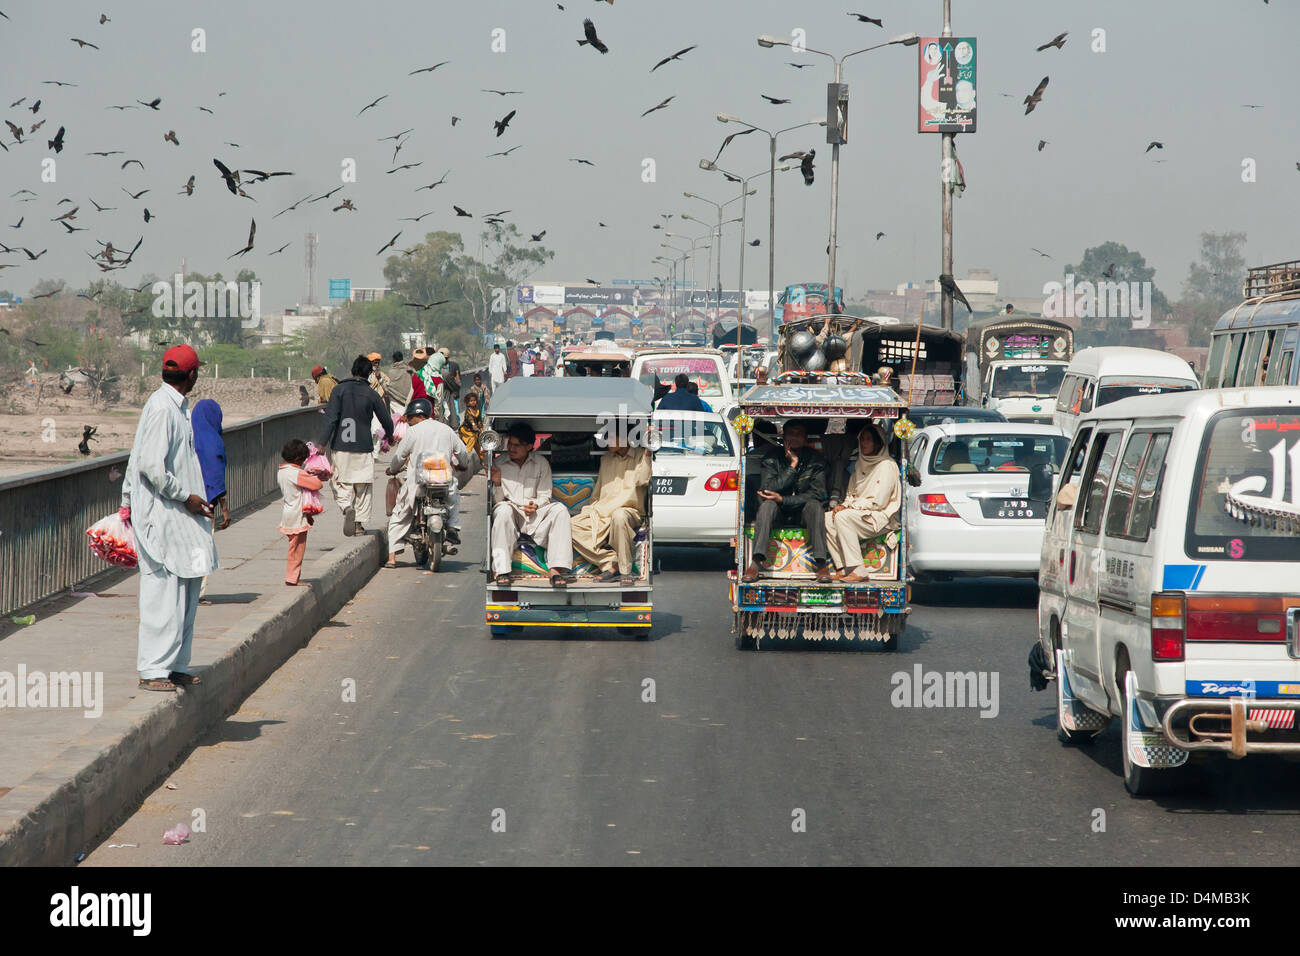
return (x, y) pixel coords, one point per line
(1014, 363)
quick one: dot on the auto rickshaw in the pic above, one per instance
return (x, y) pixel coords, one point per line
(573, 419)
(788, 603)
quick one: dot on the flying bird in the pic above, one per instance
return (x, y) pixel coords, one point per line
(589, 31)
(207, 110)
(170, 137)
(152, 104)
(110, 152)
(252, 231)
(104, 18)
(83, 43)
(19, 224)
(863, 18)
(17, 131)
(1036, 97)
(404, 166)
(798, 66)
(46, 295)
(1153, 145)
(384, 139)
(754, 242)
(455, 120)
(879, 236)
(438, 183)
(326, 195)
(660, 106)
(291, 208)
(1109, 271)
(1058, 42)
(429, 69)
(56, 144)
(1041, 144)
(806, 167)
(57, 83)
(345, 204)
(33, 256)
(148, 215)
(130, 161)
(773, 100)
(416, 218)
(462, 212)
(259, 176)
(1040, 252)
(281, 249)
(676, 56)
(70, 214)
(99, 208)
(581, 162)
(502, 123)
(503, 92)
(188, 188)
(537, 237)
(134, 195)
(373, 103)
(232, 179)
(387, 245)
(505, 152)
(421, 306)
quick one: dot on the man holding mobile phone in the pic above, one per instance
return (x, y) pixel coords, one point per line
(163, 496)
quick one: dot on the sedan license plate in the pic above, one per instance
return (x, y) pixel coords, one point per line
(1013, 508)
(668, 486)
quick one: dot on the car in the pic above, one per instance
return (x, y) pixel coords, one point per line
(969, 511)
(925, 415)
(704, 366)
(1170, 579)
(695, 478)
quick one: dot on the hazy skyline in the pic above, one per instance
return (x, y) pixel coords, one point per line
(296, 75)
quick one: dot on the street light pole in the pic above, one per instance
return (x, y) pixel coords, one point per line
(946, 196)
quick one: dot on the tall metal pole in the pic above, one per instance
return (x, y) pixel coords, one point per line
(946, 195)
(771, 236)
(717, 314)
(835, 200)
(740, 306)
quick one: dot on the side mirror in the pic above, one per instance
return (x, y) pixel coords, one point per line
(913, 476)
(1040, 482)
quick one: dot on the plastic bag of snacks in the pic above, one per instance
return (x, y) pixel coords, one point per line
(317, 464)
(113, 540)
(311, 502)
(399, 429)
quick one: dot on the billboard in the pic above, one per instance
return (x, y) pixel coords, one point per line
(947, 85)
(340, 289)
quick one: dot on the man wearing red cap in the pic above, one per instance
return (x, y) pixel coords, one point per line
(164, 492)
(325, 383)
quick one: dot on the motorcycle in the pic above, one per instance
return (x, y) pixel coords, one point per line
(431, 513)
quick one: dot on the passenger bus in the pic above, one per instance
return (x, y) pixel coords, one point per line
(803, 299)
(1255, 343)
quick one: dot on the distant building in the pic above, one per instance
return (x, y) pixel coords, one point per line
(362, 294)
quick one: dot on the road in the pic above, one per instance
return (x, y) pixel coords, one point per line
(460, 749)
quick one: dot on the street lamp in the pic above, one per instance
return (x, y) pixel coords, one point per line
(719, 207)
(710, 166)
(692, 253)
(672, 266)
(836, 135)
(771, 202)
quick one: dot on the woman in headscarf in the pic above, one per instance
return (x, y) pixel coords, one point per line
(471, 423)
(870, 506)
(211, 449)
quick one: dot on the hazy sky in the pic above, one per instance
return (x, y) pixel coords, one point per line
(296, 73)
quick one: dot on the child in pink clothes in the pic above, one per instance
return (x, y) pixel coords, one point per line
(293, 523)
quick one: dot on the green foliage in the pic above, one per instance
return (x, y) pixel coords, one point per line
(1124, 265)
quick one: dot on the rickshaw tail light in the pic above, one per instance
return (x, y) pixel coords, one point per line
(723, 481)
(937, 506)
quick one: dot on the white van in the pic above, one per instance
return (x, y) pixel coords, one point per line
(1099, 376)
(1170, 578)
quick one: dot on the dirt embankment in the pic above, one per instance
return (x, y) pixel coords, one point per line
(40, 426)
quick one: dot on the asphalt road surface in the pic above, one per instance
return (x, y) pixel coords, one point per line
(461, 749)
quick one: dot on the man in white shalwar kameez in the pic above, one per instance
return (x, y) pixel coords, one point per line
(425, 436)
(163, 488)
(522, 489)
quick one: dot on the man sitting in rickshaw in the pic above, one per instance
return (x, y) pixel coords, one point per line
(604, 531)
(524, 506)
(870, 506)
(792, 486)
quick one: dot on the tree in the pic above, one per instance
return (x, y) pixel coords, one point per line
(487, 285)
(1213, 284)
(1107, 263)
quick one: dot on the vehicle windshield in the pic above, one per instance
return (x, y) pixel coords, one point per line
(702, 371)
(1010, 381)
(1245, 503)
(1112, 390)
(682, 436)
(996, 453)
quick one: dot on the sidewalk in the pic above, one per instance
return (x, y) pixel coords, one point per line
(65, 776)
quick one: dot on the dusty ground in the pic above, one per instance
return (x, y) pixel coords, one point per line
(35, 436)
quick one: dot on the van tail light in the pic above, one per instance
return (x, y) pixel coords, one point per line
(938, 507)
(1254, 619)
(1168, 627)
(723, 481)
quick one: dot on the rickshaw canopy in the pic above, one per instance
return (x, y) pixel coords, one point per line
(569, 403)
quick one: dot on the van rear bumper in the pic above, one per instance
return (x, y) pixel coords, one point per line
(1232, 725)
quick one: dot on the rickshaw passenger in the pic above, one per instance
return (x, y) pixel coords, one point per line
(792, 485)
(525, 506)
(616, 510)
(870, 505)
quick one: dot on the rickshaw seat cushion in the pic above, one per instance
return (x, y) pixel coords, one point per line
(530, 558)
(787, 552)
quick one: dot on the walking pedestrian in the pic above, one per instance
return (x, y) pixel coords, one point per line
(497, 366)
(325, 383)
(399, 386)
(211, 449)
(346, 433)
(294, 522)
(163, 492)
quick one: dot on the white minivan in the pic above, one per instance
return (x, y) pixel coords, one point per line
(1099, 376)
(1169, 587)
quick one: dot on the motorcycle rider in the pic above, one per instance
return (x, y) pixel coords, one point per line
(425, 436)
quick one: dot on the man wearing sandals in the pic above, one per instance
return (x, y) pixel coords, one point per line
(164, 492)
(868, 505)
(605, 529)
(524, 506)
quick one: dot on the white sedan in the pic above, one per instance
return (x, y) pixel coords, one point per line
(694, 479)
(969, 511)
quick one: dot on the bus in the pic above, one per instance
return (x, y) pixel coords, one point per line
(1255, 343)
(803, 299)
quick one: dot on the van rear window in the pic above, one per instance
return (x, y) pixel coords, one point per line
(1246, 495)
